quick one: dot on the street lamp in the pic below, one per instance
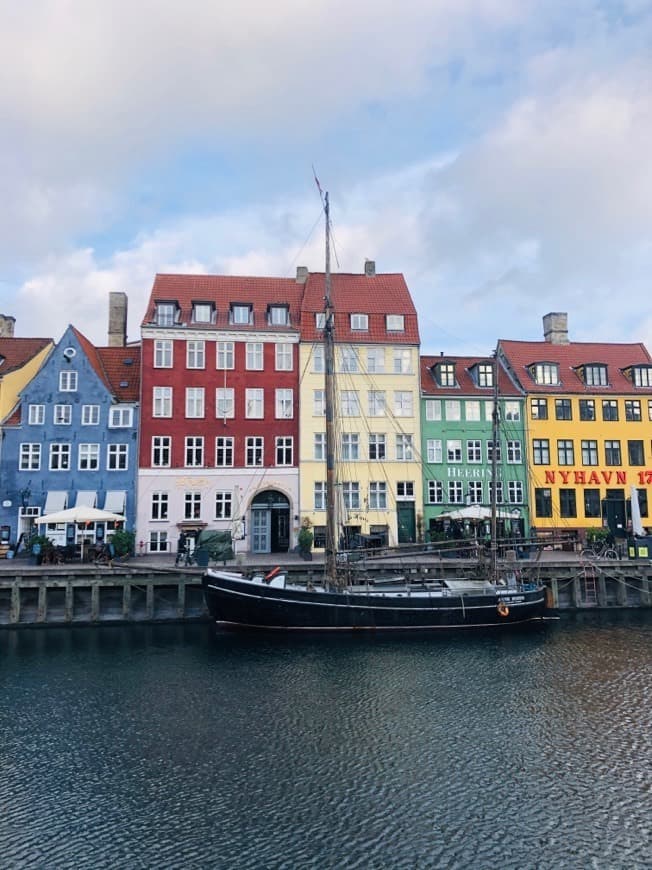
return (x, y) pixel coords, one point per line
(25, 495)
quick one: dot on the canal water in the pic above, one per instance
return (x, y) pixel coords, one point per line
(177, 746)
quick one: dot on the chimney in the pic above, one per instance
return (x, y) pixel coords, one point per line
(555, 327)
(370, 268)
(7, 323)
(117, 319)
(302, 274)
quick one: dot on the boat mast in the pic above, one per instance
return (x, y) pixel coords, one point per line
(329, 369)
(495, 422)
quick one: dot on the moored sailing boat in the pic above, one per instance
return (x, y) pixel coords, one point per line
(345, 599)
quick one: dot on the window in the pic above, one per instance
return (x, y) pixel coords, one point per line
(320, 320)
(224, 403)
(375, 360)
(117, 457)
(563, 409)
(565, 452)
(162, 402)
(594, 376)
(513, 412)
(283, 357)
(349, 359)
(472, 410)
(120, 417)
(320, 496)
(434, 450)
(158, 542)
(318, 359)
(609, 410)
(284, 404)
(587, 409)
(350, 405)
(165, 313)
(196, 354)
(351, 495)
(404, 448)
(253, 451)
(63, 415)
(405, 489)
(192, 506)
(633, 410)
(376, 403)
(254, 355)
(433, 409)
(514, 454)
(539, 409)
(320, 537)
(68, 381)
(642, 502)
(223, 452)
(284, 450)
(225, 355)
(241, 315)
(59, 457)
(454, 450)
(223, 505)
(163, 353)
(403, 403)
(161, 449)
(649, 409)
(194, 402)
(635, 453)
(589, 452)
(455, 492)
(543, 502)
(612, 453)
(395, 322)
(435, 492)
(376, 446)
(318, 403)
(319, 446)
(254, 403)
(453, 409)
(490, 451)
(194, 451)
(541, 451)
(402, 361)
(546, 373)
(485, 374)
(592, 503)
(278, 315)
(474, 451)
(360, 322)
(202, 312)
(499, 491)
(567, 503)
(88, 458)
(90, 415)
(642, 376)
(350, 446)
(445, 374)
(30, 457)
(475, 492)
(36, 415)
(378, 495)
(515, 491)
(159, 506)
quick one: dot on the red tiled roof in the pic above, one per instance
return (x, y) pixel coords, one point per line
(466, 385)
(122, 378)
(522, 354)
(222, 290)
(374, 295)
(16, 352)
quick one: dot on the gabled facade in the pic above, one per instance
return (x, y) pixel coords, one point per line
(457, 400)
(219, 425)
(379, 477)
(589, 428)
(20, 359)
(72, 438)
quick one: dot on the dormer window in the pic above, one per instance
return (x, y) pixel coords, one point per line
(545, 374)
(320, 320)
(395, 322)
(360, 322)
(485, 374)
(445, 374)
(241, 315)
(595, 375)
(642, 376)
(202, 312)
(166, 313)
(278, 315)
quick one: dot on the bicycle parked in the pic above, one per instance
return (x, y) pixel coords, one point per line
(599, 550)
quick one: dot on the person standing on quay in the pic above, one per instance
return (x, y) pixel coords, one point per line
(181, 548)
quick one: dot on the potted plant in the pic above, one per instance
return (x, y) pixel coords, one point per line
(305, 539)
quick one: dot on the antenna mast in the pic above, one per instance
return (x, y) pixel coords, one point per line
(329, 367)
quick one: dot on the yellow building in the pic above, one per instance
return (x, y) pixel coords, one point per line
(20, 359)
(377, 425)
(588, 428)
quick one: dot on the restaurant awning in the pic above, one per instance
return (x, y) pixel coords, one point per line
(115, 501)
(55, 500)
(86, 498)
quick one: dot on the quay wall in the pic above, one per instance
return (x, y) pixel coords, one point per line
(87, 595)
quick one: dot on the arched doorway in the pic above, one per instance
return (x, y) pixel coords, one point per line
(270, 523)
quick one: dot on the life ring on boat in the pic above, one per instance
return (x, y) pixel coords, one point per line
(503, 609)
(271, 574)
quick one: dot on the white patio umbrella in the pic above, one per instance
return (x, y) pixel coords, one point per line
(79, 516)
(477, 512)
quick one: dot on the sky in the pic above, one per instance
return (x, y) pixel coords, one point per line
(498, 153)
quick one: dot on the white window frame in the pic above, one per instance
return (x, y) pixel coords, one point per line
(62, 415)
(283, 357)
(117, 457)
(166, 313)
(202, 312)
(284, 403)
(225, 355)
(359, 323)
(318, 359)
(434, 450)
(59, 457)
(223, 505)
(163, 353)
(254, 356)
(404, 447)
(193, 451)
(195, 403)
(161, 401)
(377, 446)
(349, 403)
(68, 380)
(195, 353)
(192, 505)
(455, 492)
(254, 403)
(395, 322)
(241, 314)
(402, 361)
(319, 495)
(279, 315)
(433, 410)
(376, 360)
(29, 458)
(377, 495)
(224, 403)
(284, 450)
(319, 403)
(90, 415)
(254, 451)
(350, 447)
(224, 450)
(319, 446)
(88, 457)
(159, 506)
(454, 451)
(121, 417)
(403, 403)
(161, 451)
(36, 415)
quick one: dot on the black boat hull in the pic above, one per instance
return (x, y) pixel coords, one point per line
(241, 603)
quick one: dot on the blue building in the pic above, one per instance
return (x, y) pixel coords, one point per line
(72, 439)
